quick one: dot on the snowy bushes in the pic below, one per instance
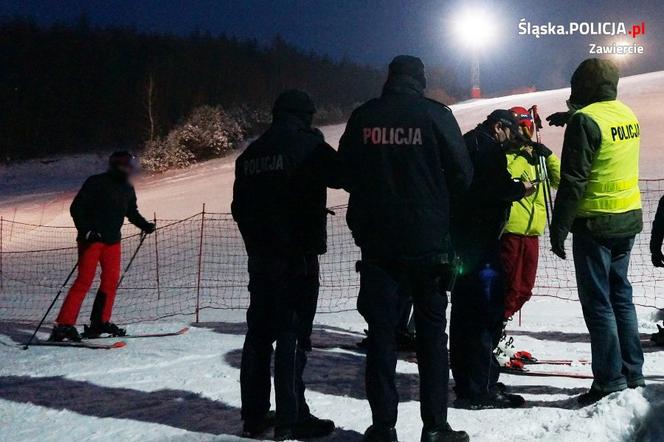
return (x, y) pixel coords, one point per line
(212, 131)
(209, 132)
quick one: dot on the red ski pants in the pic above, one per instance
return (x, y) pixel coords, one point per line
(108, 256)
(519, 255)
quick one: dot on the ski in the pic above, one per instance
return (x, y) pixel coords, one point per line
(82, 344)
(559, 374)
(182, 331)
(558, 362)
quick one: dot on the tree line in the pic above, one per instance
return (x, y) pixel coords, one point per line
(76, 88)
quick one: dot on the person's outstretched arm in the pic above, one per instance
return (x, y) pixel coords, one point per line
(135, 217)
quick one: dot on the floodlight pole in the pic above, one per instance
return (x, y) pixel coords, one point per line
(475, 91)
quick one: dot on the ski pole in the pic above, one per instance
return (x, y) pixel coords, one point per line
(131, 260)
(548, 198)
(50, 307)
(546, 189)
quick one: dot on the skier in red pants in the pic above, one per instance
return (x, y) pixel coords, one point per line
(520, 240)
(99, 210)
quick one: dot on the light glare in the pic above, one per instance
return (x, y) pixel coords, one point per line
(474, 28)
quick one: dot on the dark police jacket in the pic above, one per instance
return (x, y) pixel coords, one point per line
(480, 215)
(658, 229)
(280, 190)
(402, 156)
(102, 205)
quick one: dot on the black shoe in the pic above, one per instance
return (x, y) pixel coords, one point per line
(97, 329)
(253, 428)
(310, 427)
(636, 384)
(498, 400)
(501, 388)
(64, 333)
(444, 434)
(592, 396)
(378, 434)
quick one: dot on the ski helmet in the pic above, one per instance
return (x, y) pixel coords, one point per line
(122, 160)
(525, 120)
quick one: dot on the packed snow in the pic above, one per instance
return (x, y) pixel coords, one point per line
(186, 388)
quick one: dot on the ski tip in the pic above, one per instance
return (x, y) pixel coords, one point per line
(182, 331)
(118, 344)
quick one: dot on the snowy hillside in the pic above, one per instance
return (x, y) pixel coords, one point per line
(186, 388)
(40, 193)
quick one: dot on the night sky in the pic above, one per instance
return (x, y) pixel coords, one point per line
(373, 31)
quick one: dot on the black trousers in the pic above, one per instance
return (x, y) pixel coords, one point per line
(476, 321)
(384, 289)
(283, 299)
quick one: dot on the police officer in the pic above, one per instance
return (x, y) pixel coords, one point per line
(600, 203)
(478, 297)
(279, 200)
(402, 156)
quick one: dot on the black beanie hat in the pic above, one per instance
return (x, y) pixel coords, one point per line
(410, 66)
(294, 100)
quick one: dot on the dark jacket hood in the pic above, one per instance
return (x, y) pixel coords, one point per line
(594, 80)
(403, 84)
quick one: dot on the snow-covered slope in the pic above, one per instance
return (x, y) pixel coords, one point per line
(186, 388)
(40, 193)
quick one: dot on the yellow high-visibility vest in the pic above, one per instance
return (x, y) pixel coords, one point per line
(613, 185)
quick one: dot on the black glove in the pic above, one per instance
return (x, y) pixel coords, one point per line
(558, 245)
(657, 258)
(93, 236)
(558, 119)
(149, 228)
(541, 150)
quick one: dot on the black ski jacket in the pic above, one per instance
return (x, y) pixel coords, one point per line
(658, 229)
(102, 205)
(403, 155)
(481, 214)
(280, 190)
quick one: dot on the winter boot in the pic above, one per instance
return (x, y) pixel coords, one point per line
(444, 434)
(506, 345)
(497, 400)
(310, 427)
(592, 396)
(506, 362)
(64, 333)
(378, 434)
(658, 338)
(254, 428)
(97, 329)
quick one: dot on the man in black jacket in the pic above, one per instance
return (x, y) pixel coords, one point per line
(279, 203)
(403, 156)
(478, 296)
(658, 236)
(99, 210)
